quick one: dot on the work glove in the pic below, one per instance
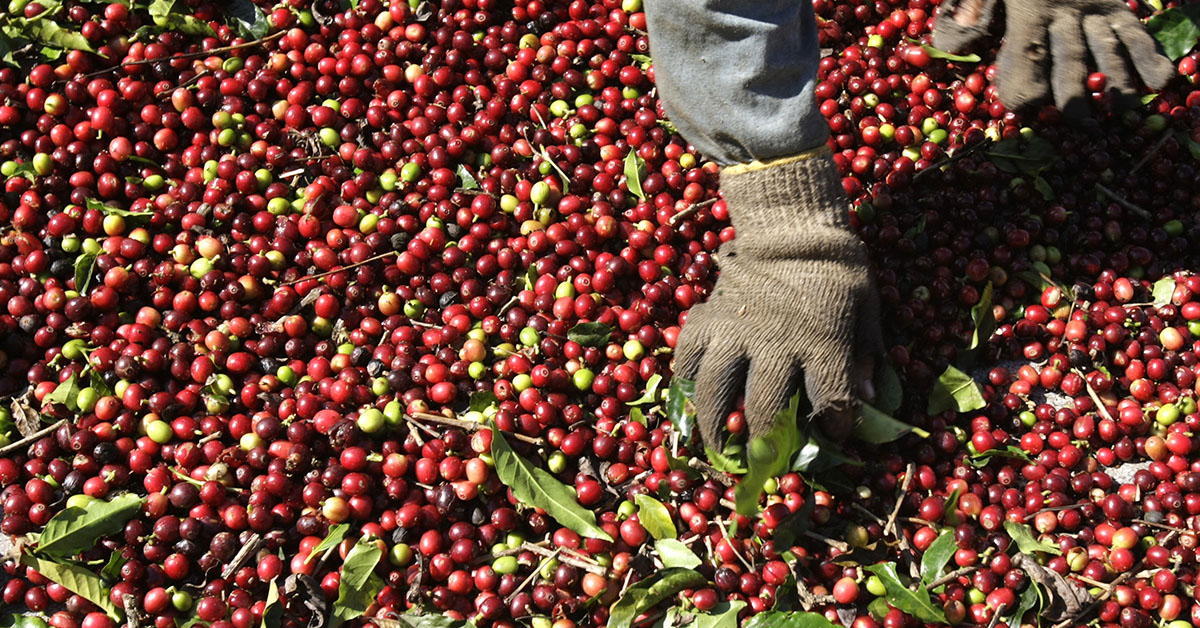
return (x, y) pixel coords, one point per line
(1046, 45)
(794, 303)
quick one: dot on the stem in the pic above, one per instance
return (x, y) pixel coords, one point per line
(46, 431)
(191, 55)
(1100, 407)
(1122, 202)
(709, 472)
(338, 270)
(1153, 151)
(469, 425)
(687, 212)
(566, 560)
(952, 576)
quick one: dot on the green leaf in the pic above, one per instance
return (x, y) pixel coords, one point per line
(161, 8)
(634, 167)
(679, 413)
(335, 536)
(1020, 156)
(937, 556)
(75, 579)
(534, 486)
(359, 584)
(353, 602)
(878, 607)
(981, 316)
(819, 454)
(936, 53)
(795, 619)
(114, 211)
(726, 462)
(1022, 535)
(644, 595)
(51, 54)
(111, 571)
(84, 265)
(768, 456)
(50, 33)
(955, 390)
(637, 416)
(1177, 29)
(674, 553)
(723, 615)
(889, 391)
(247, 19)
(22, 621)
(468, 180)
(423, 620)
(651, 394)
(982, 458)
(590, 334)
(67, 393)
(482, 400)
(655, 517)
(76, 530)
(1030, 597)
(915, 603)
(273, 611)
(1043, 188)
(876, 427)
(1164, 289)
(6, 49)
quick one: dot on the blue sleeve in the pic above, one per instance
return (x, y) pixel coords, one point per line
(737, 77)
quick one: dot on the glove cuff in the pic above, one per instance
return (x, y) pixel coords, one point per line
(793, 207)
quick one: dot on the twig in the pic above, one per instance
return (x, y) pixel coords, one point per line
(835, 544)
(996, 616)
(45, 431)
(725, 533)
(1153, 151)
(890, 526)
(952, 576)
(210, 437)
(191, 55)
(470, 425)
(709, 472)
(868, 513)
(956, 156)
(1100, 407)
(474, 192)
(1122, 202)
(566, 560)
(338, 270)
(479, 560)
(244, 554)
(1059, 508)
(533, 574)
(1161, 526)
(416, 434)
(504, 308)
(421, 426)
(688, 211)
(1094, 583)
(132, 615)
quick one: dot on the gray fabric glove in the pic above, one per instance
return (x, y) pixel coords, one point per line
(1046, 45)
(794, 299)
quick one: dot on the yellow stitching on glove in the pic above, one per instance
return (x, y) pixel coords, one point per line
(755, 165)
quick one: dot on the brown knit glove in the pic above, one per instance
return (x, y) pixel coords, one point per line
(1047, 44)
(794, 300)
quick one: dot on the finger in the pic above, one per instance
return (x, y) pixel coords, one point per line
(689, 349)
(864, 378)
(958, 25)
(837, 424)
(770, 383)
(1070, 69)
(1022, 78)
(868, 337)
(1106, 50)
(722, 374)
(1151, 65)
(829, 371)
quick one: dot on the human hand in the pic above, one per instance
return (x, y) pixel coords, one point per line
(794, 304)
(1046, 46)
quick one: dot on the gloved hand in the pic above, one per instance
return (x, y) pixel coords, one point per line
(1046, 45)
(794, 299)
